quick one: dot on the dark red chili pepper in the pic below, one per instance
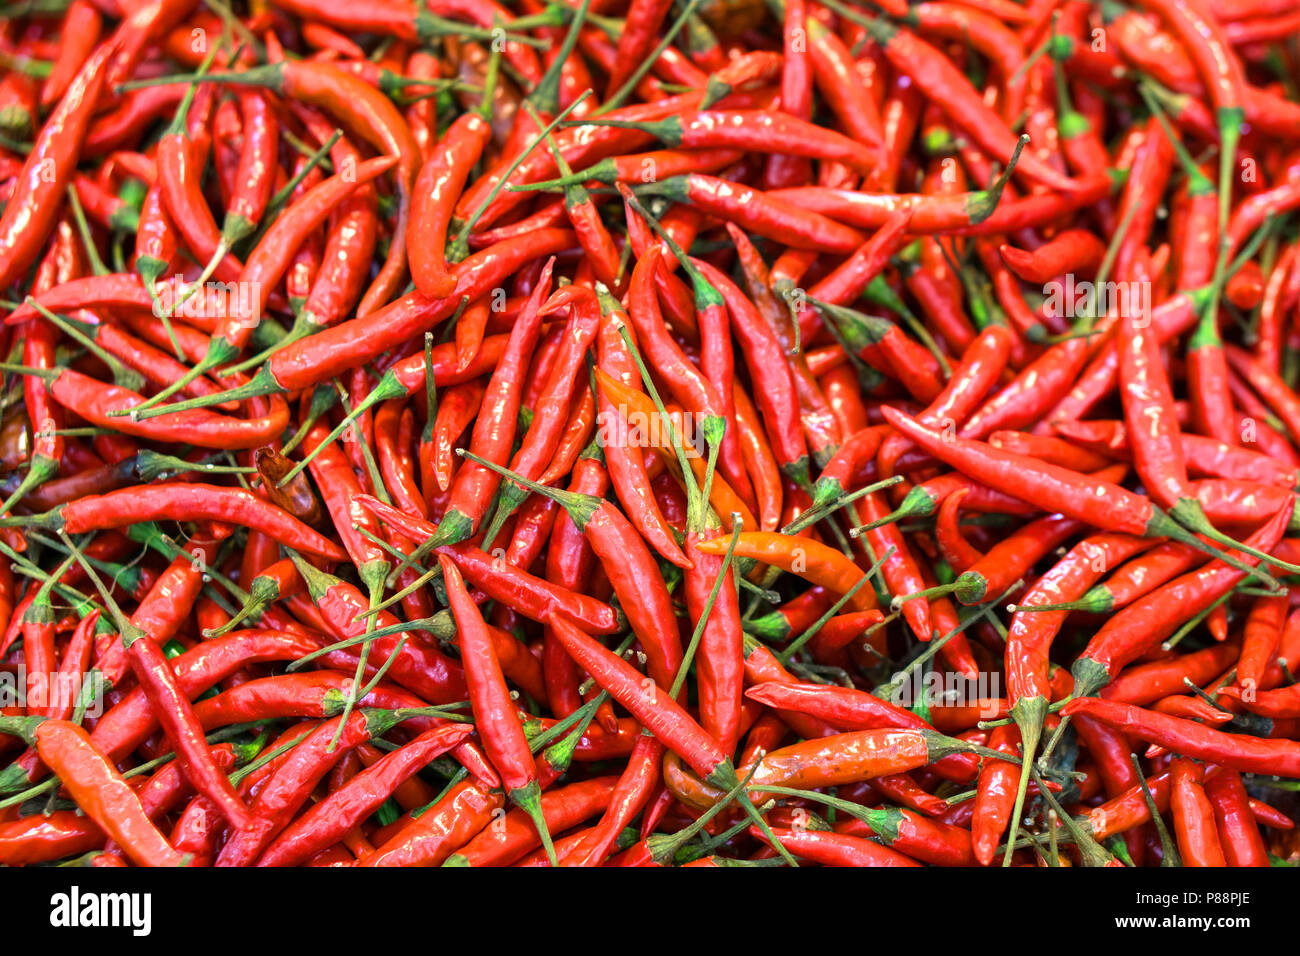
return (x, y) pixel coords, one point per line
(1198, 839)
(1237, 829)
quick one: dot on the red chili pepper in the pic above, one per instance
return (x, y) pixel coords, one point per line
(834, 849)
(180, 501)
(1098, 503)
(1236, 751)
(102, 793)
(1145, 623)
(30, 212)
(1238, 830)
(623, 455)
(1198, 839)
(995, 797)
(848, 709)
(511, 838)
(441, 177)
(851, 757)
(984, 401)
(502, 734)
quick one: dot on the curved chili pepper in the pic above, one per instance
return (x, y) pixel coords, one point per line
(181, 501)
(835, 849)
(1120, 641)
(529, 595)
(322, 825)
(855, 756)
(816, 562)
(551, 406)
(1198, 840)
(441, 177)
(848, 709)
(515, 835)
(502, 734)
(290, 784)
(1098, 503)
(31, 210)
(1238, 830)
(623, 455)
(100, 790)
(1236, 751)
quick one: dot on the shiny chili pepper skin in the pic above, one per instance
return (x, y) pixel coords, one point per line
(758, 213)
(257, 160)
(968, 213)
(774, 383)
(923, 839)
(128, 724)
(1123, 639)
(1071, 251)
(101, 403)
(995, 797)
(1198, 839)
(1236, 751)
(416, 665)
(371, 116)
(185, 502)
(290, 784)
(849, 758)
(1099, 503)
(529, 595)
(270, 258)
(688, 384)
(656, 710)
(502, 734)
(441, 177)
(514, 836)
(624, 457)
(550, 407)
(1237, 828)
(176, 716)
(325, 823)
(493, 431)
(937, 77)
(812, 560)
(852, 710)
(720, 661)
(834, 849)
(907, 358)
(1145, 683)
(45, 838)
(103, 794)
(629, 797)
(899, 568)
(766, 132)
(182, 152)
(984, 359)
(431, 838)
(30, 212)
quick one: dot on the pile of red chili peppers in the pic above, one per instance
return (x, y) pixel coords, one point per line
(649, 433)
